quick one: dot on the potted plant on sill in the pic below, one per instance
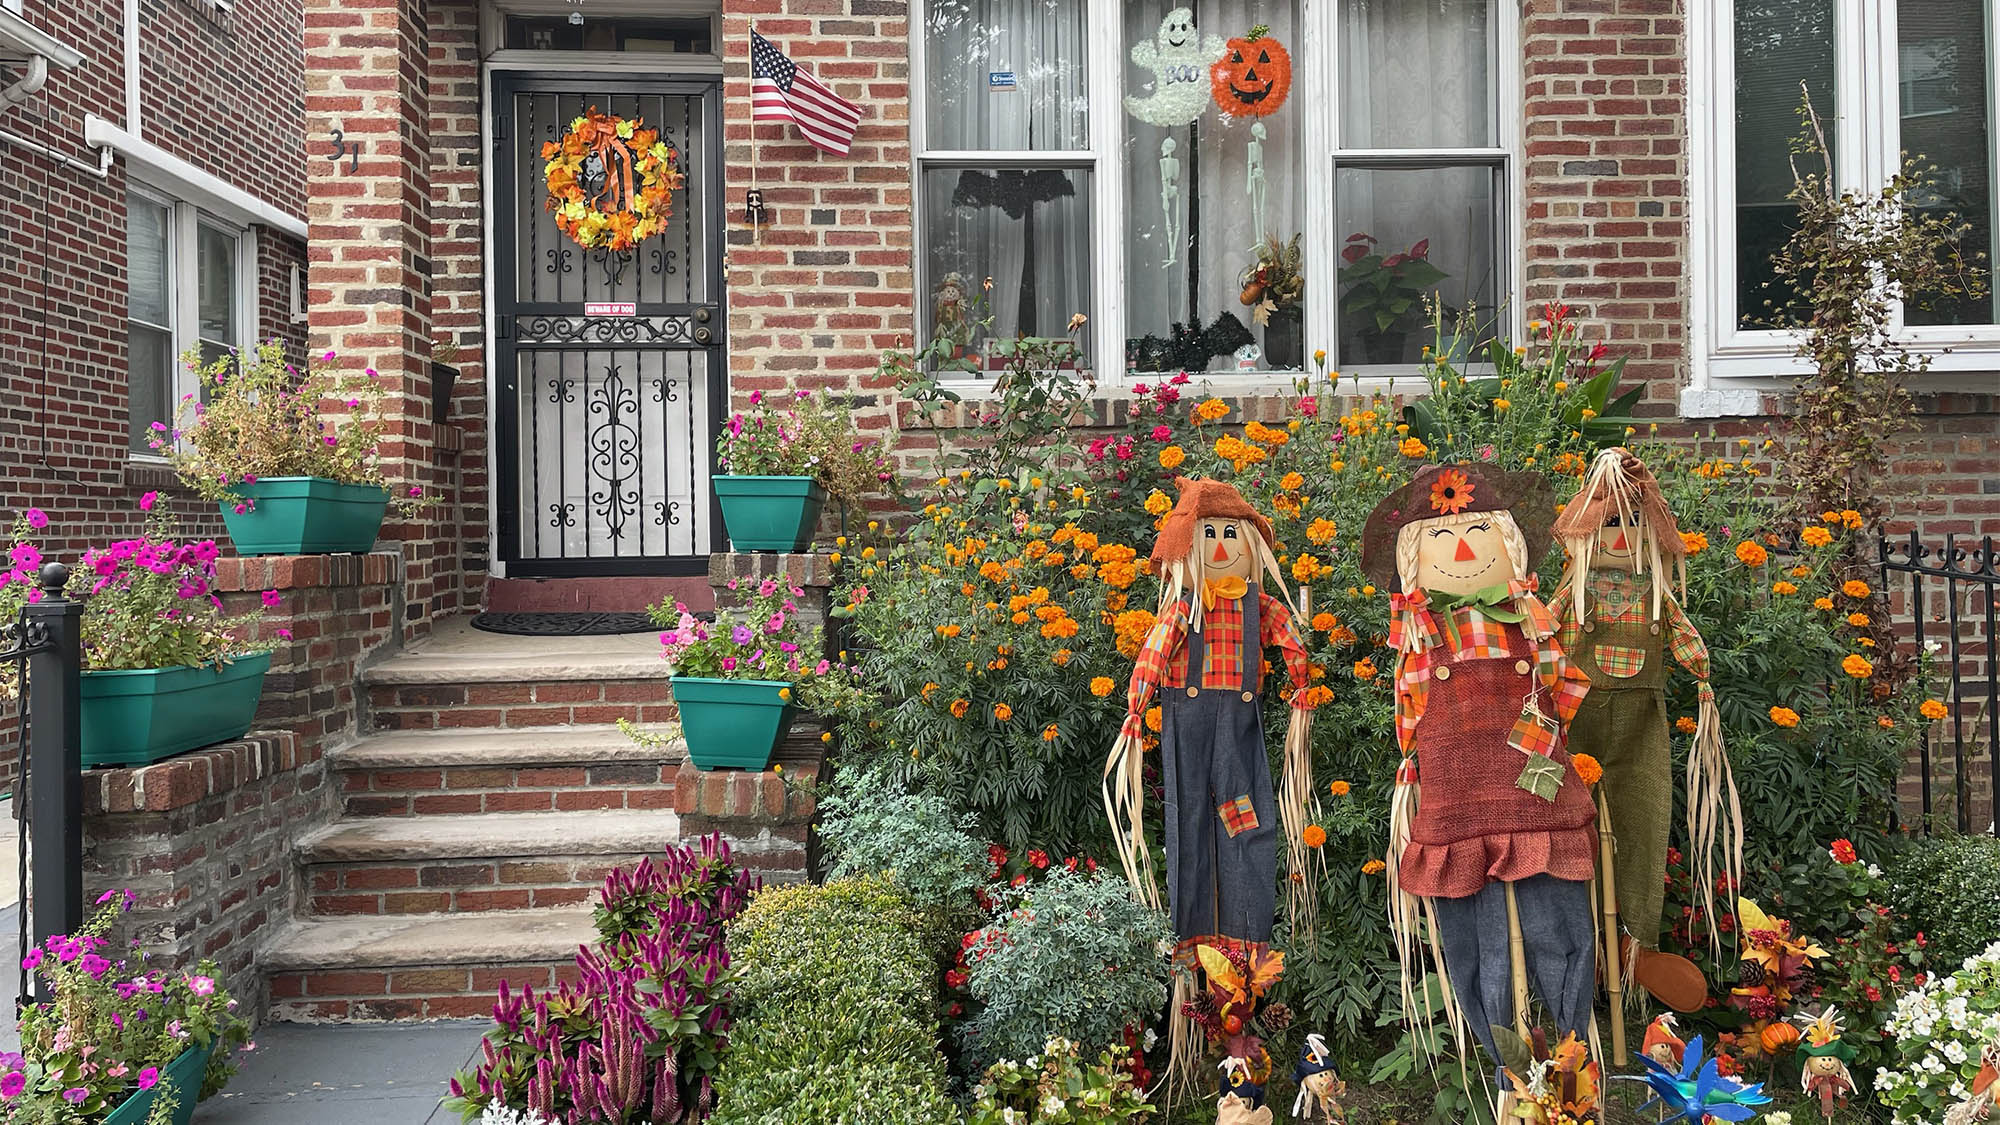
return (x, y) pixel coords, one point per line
(117, 1041)
(783, 459)
(290, 481)
(1274, 288)
(1384, 295)
(164, 670)
(739, 680)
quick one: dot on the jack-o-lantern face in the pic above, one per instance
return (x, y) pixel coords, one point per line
(1253, 78)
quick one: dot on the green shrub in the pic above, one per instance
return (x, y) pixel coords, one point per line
(1940, 1030)
(1073, 956)
(1949, 886)
(1057, 1087)
(837, 1012)
(871, 826)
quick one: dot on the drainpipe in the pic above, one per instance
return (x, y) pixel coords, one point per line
(29, 85)
(132, 121)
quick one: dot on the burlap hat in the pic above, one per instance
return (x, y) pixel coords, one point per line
(1588, 511)
(1204, 499)
(1440, 490)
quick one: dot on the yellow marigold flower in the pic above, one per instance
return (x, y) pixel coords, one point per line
(1822, 603)
(1696, 542)
(1336, 464)
(1158, 503)
(1501, 404)
(1172, 456)
(1562, 385)
(1933, 709)
(1752, 554)
(1854, 588)
(1412, 447)
(1002, 712)
(1783, 587)
(1784, 716)
(1686, 725)
(1364, 669)
(1816, 536)
(1314, 836)
(1587, 768)
(834, 558)
(1339, 788)
(1322, 530)
(1374, 867)
(1367, 591)
(1858, 666)
(959, 707)
(1103, 686)
(1292, 482)
(1858, 620)
(1050, 732)
(1212, 410)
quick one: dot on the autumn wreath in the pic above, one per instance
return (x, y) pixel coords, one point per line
(611, 181)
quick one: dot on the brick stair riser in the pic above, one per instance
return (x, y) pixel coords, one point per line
(460, 886)
(491, 789)
(358, 995)
(508, 705)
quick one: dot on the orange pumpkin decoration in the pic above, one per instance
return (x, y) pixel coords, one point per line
(1778, 1038)
(1254, 76)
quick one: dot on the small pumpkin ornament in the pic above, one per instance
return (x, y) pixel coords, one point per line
(1254, 76)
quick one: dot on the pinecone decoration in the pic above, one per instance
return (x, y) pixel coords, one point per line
(1749, 974)
(1277, 1017)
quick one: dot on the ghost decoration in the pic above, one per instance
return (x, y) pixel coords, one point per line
(1179, 58)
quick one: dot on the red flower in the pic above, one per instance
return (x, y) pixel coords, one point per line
(954, 979)
(1874, 994)
(1354, 253)
(1895, 974)
(1843, 851)
(955, 1010)
(1020, 880)
(1394, 260)
(1090, 865)
(1038, 858)
(1922, 941)
(1070, 863)
(997, 855)
(1421, 249)
(970, 940)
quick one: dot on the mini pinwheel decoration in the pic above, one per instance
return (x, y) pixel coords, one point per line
(1698, 1092)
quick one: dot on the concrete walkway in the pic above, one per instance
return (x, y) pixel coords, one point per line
(304, 1074)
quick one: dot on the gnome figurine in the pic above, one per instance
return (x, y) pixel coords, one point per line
(1824, 1058)
(1496, 848)
(1621, 623)
(1204, 657)
(1320, 1087)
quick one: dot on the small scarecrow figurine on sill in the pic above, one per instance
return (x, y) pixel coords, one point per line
(1498, 852)
(1621, 620)
(1204, 656)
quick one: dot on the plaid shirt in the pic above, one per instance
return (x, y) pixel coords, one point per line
(1619, 597)
(1481, 637)
(1163, 661)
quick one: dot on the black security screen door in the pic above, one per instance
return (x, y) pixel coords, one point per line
(610, 366)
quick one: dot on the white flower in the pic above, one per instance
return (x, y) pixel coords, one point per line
(1010, 1117)
(497, 1114)
(1051, 1104)
(1778, 1117)
(1874, 872)
(1152, 1037)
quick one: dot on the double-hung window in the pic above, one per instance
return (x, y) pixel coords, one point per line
(1889, 78)
(1147, 162)
(190, 287)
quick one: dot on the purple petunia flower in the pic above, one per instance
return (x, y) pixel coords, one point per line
(33, 959)
(741, 634)
(37, 518)
(76, 1095)
(148, 1077)
(12, 1085)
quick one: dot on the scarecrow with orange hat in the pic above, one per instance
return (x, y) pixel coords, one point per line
(1497, 849)
(1205, 658)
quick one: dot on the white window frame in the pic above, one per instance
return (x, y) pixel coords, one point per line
(1732, 364)
(185, 220)
(1313, 86)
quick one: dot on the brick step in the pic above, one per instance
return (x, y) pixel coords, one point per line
(428, 966)
(469, 680)
(475, 862)
(533, 769)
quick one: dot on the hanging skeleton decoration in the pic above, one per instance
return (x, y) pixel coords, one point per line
(1204, 657)
(1498, 853)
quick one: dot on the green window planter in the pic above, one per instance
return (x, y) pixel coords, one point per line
(140, 716)
(306, 516)
(770, 513)
(183, 1076)
(731, 724)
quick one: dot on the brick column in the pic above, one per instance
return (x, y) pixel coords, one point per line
(369, 254)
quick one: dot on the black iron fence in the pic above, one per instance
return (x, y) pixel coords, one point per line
(1945, 596)
(45, 648)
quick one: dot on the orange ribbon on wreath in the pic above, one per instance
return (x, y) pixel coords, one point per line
(604, 144)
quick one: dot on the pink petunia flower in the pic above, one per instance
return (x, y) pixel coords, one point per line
(272, 599)
(149, 1077)
(37, 518)
(146, 502)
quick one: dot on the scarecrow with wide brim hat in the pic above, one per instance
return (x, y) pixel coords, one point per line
(1824, 1057)
(1204, 658)
(1492, 828)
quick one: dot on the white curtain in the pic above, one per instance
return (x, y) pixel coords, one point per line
(1026, 228)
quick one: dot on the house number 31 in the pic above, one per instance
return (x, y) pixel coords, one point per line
(351, 150)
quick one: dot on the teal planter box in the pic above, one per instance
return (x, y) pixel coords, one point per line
(183, 1076)
(731, 724)
(306, 516)
(770, 513)
(140, 716)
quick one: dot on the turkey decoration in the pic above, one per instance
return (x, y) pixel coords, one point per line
(1253, 77)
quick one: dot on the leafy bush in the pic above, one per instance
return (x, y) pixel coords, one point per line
(1940, 1030)
(838, 1002)
(870, 826)
(639, 1035)
(1073, 956)
(1949, 886)
(1057, 1087)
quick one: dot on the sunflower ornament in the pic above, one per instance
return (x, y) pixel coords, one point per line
(611, 181)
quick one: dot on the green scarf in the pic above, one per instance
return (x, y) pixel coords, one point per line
(1495, 602)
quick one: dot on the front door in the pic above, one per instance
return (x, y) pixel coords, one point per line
(610, 369)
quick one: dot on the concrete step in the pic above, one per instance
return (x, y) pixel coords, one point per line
(475, 862)
(463, 678)
(533, 769)
(435, 966)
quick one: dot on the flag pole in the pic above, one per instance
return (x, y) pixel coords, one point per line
(755, 215)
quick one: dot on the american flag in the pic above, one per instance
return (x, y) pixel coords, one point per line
(780, 91)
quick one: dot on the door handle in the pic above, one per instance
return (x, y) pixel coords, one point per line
(702, 335)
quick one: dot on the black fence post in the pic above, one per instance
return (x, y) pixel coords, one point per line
(54, 766)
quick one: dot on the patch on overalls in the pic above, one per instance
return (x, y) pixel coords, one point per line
(1238, 816)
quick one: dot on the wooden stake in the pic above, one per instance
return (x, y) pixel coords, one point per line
(1517, 947)
(1614, 952)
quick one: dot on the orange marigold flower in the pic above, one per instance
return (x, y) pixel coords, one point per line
(1587, 768)
(1364, 669)
(949, 630)
(1451, 493)
(1801, 572)
(959, 707)
(1306, 568)
(1314, 836)
(1374, 867)
(1212, 410)
(1783, 587)
(1933, 709)
(1686, 725)
(927, 691)
(1002, 712)
(1816, 536)
(1412, 447)
(1171, 458)
(1854, 588)
(1858, 620)
(1695, 542)
(1050, 732)
(1339, 788)
(1321, 531)
(1102, 686)
(1082, 571)
(1752, 554)
(1886, 723)
(1822, 603)
(1159, 503)
(1324, 621)
(1292, 482)
(1153, 719)
(1061, 657)
(1858, 666)
(1784, 716)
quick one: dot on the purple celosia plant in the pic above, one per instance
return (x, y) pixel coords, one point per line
(638, 1036)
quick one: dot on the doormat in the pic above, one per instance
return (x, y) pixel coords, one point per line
(563, 624)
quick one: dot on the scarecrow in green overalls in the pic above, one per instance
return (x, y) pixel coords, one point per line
(1205, 658)
(1621, 620)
